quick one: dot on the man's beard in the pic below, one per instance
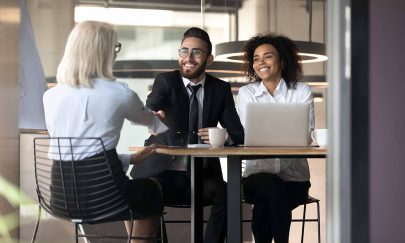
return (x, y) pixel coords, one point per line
(194, 74)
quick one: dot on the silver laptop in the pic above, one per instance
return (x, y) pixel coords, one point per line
(276, 124)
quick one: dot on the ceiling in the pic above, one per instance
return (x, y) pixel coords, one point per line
(177, 5)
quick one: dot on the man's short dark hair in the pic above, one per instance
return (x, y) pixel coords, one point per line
(200, 34)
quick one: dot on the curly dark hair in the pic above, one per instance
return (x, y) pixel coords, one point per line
(288, 53)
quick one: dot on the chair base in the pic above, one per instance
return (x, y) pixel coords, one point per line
(78, 227)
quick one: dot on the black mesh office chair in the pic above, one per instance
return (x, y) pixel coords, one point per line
(82, 192)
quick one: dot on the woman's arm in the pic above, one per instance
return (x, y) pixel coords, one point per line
(140, 156)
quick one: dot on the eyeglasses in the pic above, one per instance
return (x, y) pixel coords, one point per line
(195, 52)
(117, 47)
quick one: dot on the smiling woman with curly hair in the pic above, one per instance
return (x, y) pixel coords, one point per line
(288, 55)
(274, 186)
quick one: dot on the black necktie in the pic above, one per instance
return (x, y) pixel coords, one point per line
(193, 115)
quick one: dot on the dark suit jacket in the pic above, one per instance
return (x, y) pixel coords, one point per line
(170, 95)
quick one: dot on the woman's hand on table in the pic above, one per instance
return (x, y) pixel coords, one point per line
(141, 155)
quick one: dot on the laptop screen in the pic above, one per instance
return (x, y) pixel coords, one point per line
(277, 124)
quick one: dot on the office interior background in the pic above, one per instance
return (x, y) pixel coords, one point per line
(359, 93)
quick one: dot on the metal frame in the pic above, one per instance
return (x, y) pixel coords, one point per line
(338, 166)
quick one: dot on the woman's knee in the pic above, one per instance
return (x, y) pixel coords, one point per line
(262, 182)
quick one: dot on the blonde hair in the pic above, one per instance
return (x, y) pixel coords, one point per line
(89, 53)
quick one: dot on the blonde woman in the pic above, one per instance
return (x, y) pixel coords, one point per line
(88, 102)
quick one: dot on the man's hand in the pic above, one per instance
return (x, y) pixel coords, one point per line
(203, 134)
(161, 114)
(140, 156)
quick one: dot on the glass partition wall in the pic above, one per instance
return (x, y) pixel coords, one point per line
(150, 33)
(151, 30)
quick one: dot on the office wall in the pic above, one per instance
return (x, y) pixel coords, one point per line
(9, 164)
(387, 119)
(52, 22)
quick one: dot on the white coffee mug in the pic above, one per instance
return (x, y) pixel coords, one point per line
(217, 136)
(320, 136)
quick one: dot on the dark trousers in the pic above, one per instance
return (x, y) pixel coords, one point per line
(176, 190)
(273, 200)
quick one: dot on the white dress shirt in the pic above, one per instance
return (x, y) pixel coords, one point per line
(99, 111)
(287, 169)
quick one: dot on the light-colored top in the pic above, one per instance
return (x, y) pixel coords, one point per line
(99, 111)
(287, 169)
(180, 162)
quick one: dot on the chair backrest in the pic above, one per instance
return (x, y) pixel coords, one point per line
(74, 180)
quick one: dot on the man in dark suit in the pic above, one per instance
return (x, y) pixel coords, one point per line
(175, 95)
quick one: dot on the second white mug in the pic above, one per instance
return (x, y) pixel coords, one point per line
(320, 136)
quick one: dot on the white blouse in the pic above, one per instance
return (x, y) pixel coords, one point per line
(99, 111)
(287, 169)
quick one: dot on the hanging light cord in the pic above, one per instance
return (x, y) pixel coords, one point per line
(202, 14)
(309, 9)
